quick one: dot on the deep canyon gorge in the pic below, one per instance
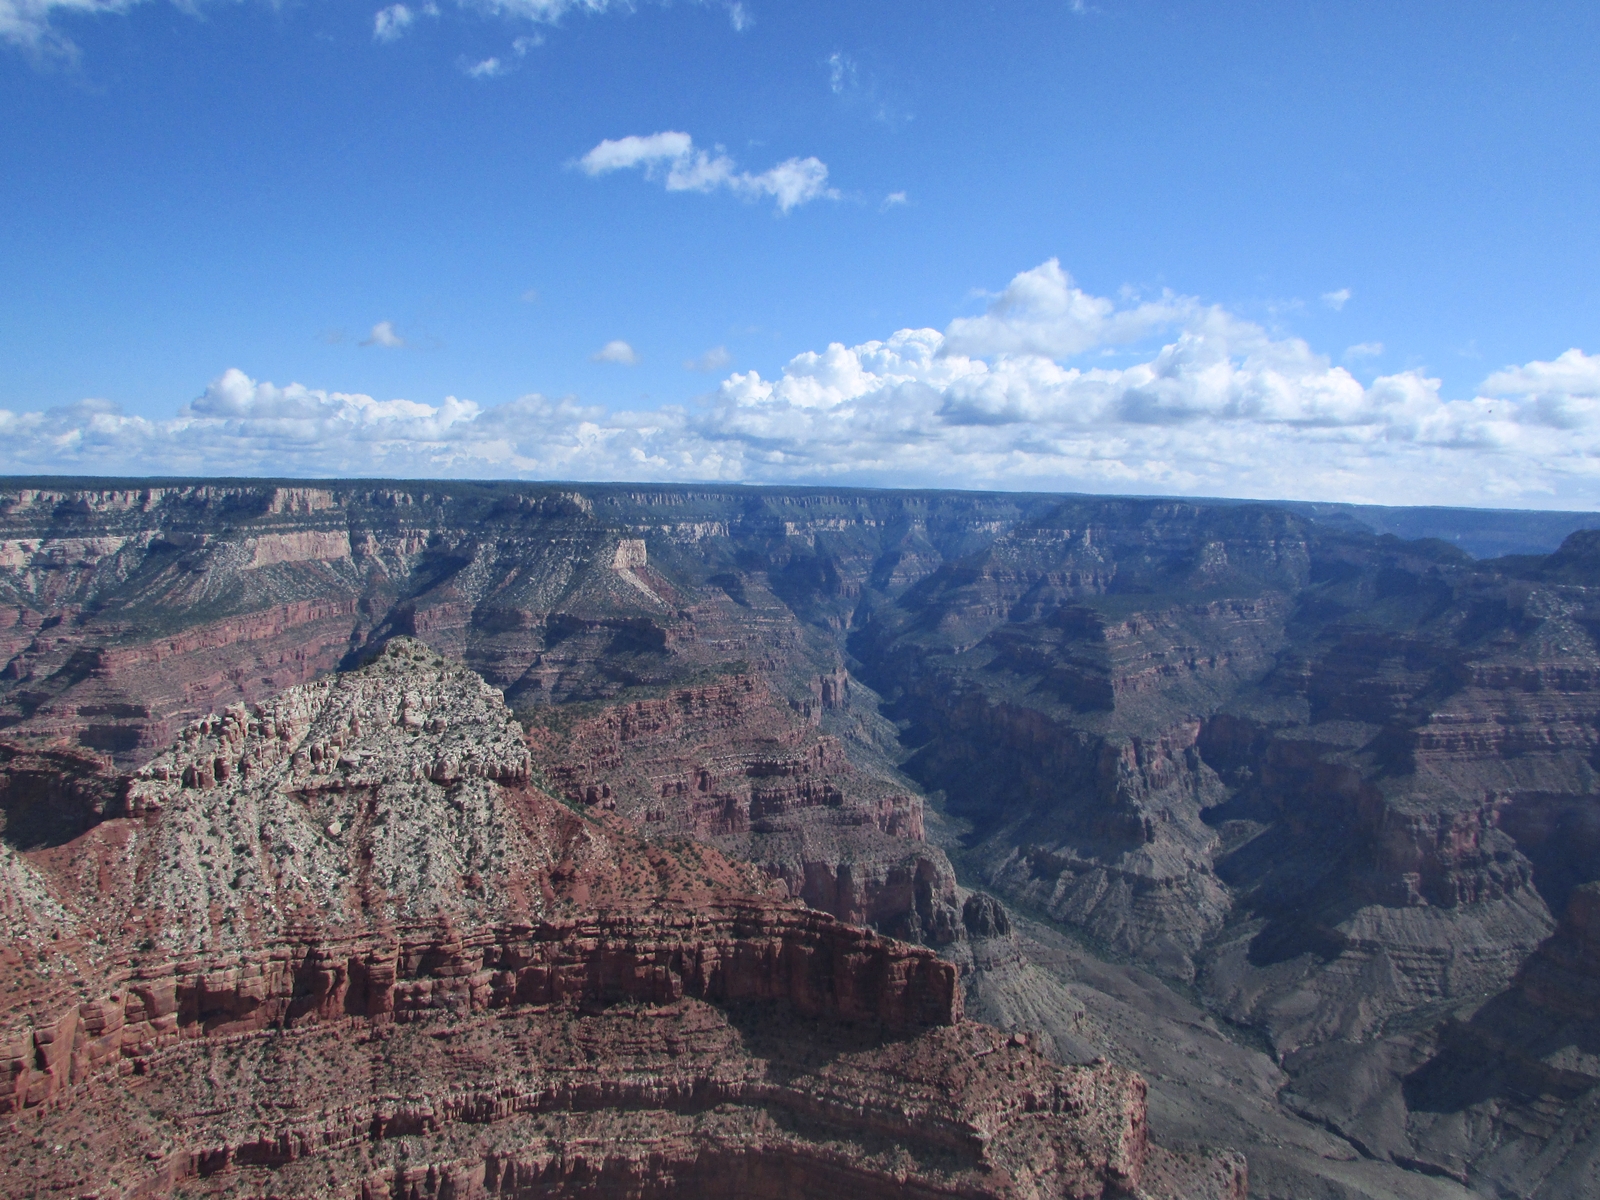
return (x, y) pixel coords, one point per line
(453, 839)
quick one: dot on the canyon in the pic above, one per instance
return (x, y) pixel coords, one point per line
(1251, 825)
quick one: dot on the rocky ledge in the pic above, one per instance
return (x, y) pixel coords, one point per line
(340, 943)
(731, 765)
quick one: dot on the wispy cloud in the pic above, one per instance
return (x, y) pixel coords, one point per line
(1363, 350)
(488, 68)
(29, 23)
(1337, 300)
(383, 334)
(860, 89)
(713, 359)
(672, 158)
(893, 200)
(842, 73)
(618, 352)
(388, 24)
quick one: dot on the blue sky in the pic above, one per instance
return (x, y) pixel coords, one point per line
(1339, 251)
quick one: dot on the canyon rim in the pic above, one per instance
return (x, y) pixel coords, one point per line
(453, 839)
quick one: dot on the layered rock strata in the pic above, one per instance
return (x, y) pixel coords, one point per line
(1500, 1095)
(1336, 783)
(730, 765)
(339, 944)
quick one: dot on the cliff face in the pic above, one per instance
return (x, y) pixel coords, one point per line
(338, 943)
(1338, 784)
(132, 612)
(1333, 783)
(1262, 763)
(730, 765)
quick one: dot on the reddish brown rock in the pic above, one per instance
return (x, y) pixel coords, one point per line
(730, 765)
(374, 959)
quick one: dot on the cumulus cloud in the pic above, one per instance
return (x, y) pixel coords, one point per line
(1217, 406)
(615, 352)
(1044, 313)
(389, 23)
(1337, 300)
(713, 359)
(383, 334)
(672, 158)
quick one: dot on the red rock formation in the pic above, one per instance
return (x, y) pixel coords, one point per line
(729, 764)
(662, 1100)
(584, 1013)
(729, 954)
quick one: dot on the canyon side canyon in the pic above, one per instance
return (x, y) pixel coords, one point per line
(452, 840)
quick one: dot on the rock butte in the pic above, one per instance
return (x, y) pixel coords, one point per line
(367, 957)
(1316, 807)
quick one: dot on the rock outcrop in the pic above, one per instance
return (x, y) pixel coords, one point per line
(730, 765)
(340, 943)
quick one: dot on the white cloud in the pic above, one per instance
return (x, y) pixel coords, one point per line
(1218, 407)
(27, 23)
(1564, 394)
(615, 352)
(487, 69)
(389, 23)
(671, 157)
(1572, 374)
(713, 359)
(893, 200)
(549, 12)
(1043, 312)
(1337, 300)
(383, 334)
(1364, 350)
(633, 150)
